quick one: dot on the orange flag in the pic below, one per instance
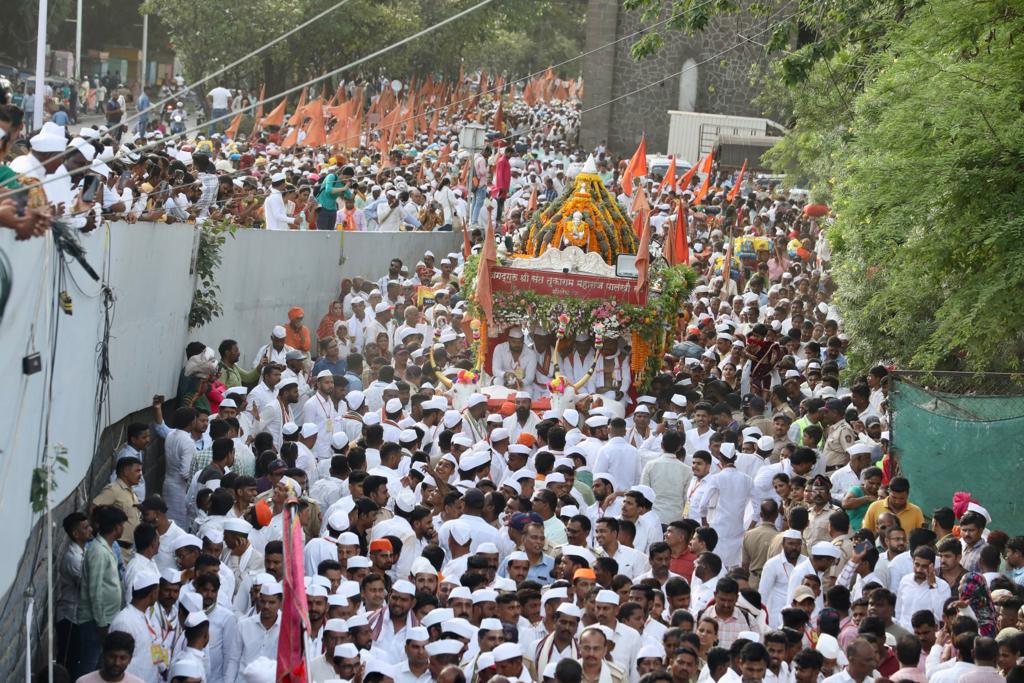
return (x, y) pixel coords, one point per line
(705, 168)
(296, 118)
(315, 134)
(232, 131)
(684, 182)
(669, 181)
(639, 205)
(739, 181)
(680, 247)
(488, 259)
(291, 139)
(531, 206)
(637, 166)
(276, 115)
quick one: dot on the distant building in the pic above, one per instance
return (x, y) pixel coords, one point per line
(710, 83)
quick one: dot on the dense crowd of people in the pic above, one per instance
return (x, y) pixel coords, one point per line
(739, 519)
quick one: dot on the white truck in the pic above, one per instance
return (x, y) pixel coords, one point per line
(691, 135)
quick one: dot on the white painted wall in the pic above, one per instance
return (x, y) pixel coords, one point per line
(262, 275)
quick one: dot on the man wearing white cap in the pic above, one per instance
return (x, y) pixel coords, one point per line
(134, 621)
(523, 420)
(319, 410)
(415, 664)
(274, 352)
(242, 558)
(823, 556)
(274, 210)
(193, 645)
(513, 364)
(191, 670)
(258, 634)
(559, 644)
(627, 639)
(390, 625)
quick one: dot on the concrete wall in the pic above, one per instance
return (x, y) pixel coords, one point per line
(148, 269)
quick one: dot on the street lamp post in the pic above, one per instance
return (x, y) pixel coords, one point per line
(37, 117)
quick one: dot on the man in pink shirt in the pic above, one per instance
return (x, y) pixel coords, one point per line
(908, 652)
(117, 653)
(502, 180)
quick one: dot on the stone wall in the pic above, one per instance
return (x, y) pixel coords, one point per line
(723, 76)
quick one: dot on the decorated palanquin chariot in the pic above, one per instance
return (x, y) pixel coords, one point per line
(560, 277)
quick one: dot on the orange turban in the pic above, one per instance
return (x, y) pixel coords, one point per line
(296, 312)
(380, 544)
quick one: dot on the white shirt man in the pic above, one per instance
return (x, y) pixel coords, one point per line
(224, 648)
(219, 97)
(574, 366)
(389, 216)
(320, 410)
(134, 622)
(735, 491)
(257, 641)
(774, 585)
(913, 595)
(618, 458)
(521, 364)
(670, 478)
(275, 214)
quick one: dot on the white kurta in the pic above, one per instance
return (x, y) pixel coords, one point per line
(320, 411)
(734, 490)
(256, 641)
(505, 362)
(573, 367)
(774, 586)
(146, 634)
(618, 458)
(224, 649)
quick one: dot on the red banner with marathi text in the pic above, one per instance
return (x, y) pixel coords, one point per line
(567, 285)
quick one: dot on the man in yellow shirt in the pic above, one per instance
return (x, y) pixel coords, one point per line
(896, 502)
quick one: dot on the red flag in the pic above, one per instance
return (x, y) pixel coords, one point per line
(669, 181)
(739, 181)
(642, 223)
(637, 166)
(291, 660)
(680, 250)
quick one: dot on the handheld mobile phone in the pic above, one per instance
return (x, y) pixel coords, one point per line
(862, 546)
(90, 185)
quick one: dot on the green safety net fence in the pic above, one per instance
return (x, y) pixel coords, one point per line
(948, 442)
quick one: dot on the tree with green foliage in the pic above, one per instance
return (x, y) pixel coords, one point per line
(907, 118)
(514, 36)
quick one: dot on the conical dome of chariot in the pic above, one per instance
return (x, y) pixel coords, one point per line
(586, 216)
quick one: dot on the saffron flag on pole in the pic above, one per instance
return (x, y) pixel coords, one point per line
(296, 117)
(706, 183)
(679, 251)
(637, 166)
(232, 131)
(739, 181)
(684, 182)
(669, 181)
(276, 115)
(291, 656)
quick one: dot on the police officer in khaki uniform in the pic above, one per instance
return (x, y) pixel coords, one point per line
(839, 435)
